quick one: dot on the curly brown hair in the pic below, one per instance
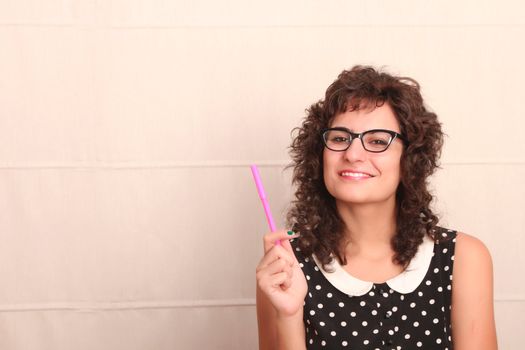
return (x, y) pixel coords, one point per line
(313, 213)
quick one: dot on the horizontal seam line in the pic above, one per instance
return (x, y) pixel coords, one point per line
(267, 26)
(127, 305)
(87, 307)
(225, 164)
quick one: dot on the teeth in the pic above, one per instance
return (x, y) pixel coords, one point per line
(346, 173)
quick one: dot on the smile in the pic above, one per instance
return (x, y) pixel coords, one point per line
(355, 175)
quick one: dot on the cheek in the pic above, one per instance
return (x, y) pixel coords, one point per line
(328, 165)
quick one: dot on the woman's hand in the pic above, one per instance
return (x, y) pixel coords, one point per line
(279, 276)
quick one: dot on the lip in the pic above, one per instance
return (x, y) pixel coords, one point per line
(354, 174)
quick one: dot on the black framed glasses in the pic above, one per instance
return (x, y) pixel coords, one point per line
(376, 140)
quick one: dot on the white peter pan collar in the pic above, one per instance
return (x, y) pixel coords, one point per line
(406, 282)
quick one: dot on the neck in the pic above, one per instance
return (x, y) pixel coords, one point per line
(369, 226)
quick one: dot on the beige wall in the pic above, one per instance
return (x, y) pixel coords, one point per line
(128, 217)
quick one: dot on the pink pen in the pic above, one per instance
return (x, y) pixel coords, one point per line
(264, 200)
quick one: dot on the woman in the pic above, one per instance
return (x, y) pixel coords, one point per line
(366, 265)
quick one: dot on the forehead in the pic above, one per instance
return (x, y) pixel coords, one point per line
(363, 119)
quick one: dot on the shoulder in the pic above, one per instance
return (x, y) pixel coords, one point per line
(470, 251)
(472, 265)
(472, 295)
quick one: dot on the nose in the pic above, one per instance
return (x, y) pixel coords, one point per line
(356, 151)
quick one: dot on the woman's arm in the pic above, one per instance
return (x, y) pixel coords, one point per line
(278, 332)
(281, 288)
(472, 314)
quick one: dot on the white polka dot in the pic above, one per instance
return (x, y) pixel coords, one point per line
(452, 258)
(424, 313)
(316, 268)
(364, 323)
(321, 324)
(329, 295)
(301, 264)
(440, 289)
(396, 328)
(427, 332)
(323, 343)
(420, 294)
(318, 287)
(402, 297)
(385, 295)
(431, 301)
(306, 259)
(320, 306)
(309, 294)
(331, 314)
(312, 312)
(428, 283)
(435, 320)
(374, 312)
(446, 268)
(362, 303)
(311, 341)
(438, 341)
(375, 331)
(404, 317)
(391, 332)
(354, 333)
(371, 293)
(366, 342)
(341, 304)
(419, 344)
(416, 324)
(449, 287)
(343, 324)
(394, 308)
(344, 343)
(407, 336)
(333, 333)
(412, 305)
(307, 277)
(352, 314)
(445, 250)
(436, 270)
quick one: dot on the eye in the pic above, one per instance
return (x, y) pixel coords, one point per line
(377, 140)
(337, 137)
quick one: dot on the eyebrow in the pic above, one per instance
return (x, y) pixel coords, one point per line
(355, 132)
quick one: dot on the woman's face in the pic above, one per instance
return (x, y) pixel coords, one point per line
(356, 176)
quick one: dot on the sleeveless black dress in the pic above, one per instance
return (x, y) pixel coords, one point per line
(409, 311)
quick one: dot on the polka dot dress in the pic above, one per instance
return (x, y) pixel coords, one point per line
(382, 318)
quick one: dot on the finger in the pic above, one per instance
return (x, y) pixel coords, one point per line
(283, 236)
(276, 253)
(277, 267)
(278, 280)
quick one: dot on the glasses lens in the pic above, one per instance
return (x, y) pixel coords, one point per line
(337, 140)
(376, 141)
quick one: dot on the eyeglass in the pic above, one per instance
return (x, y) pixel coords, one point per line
(375, 141)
